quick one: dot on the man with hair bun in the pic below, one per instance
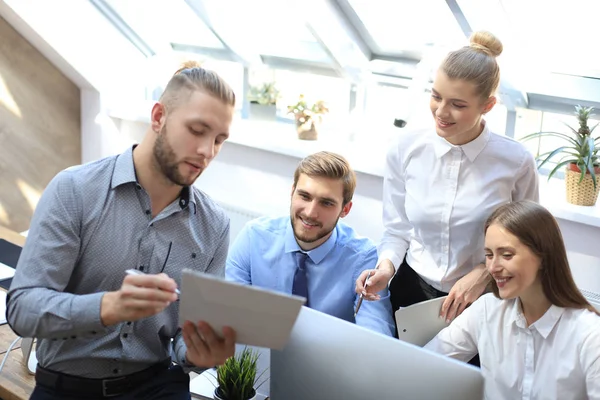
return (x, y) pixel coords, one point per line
(101, 332)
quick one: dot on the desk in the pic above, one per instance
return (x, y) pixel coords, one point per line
(15, 382)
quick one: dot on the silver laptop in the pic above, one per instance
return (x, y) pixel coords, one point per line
(329, 358)
(419, 323)
(592, 297)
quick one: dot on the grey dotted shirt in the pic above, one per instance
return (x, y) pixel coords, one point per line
(92, 223)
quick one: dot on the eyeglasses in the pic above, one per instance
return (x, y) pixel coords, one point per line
(167, 258)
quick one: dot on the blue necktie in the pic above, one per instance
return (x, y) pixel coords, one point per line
(300, 287)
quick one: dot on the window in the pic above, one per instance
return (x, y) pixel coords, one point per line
(556, 42)
(384, 104)
(528, 121)
(164, 22)
(291, 84)
(404, 28)
(531, 121)
(496, 119)
(271, 28)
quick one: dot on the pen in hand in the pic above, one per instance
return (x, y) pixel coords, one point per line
(360, 300)
(137, 272)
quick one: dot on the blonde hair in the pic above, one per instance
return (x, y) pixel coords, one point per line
(325, 164)
(190, 77)
(537, 229)
(476, 63)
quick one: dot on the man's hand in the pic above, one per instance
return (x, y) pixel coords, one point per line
(140, 296)
(204, 348)
(464, 292)
(378, 280)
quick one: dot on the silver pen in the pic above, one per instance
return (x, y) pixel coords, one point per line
(360, 300)
(138, 272)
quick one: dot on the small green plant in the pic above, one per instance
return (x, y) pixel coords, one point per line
(579, 151)
(237, 377)
(266, 94)
(304, 113)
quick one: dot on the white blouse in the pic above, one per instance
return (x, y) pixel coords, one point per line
(437, 196)
(555, 358)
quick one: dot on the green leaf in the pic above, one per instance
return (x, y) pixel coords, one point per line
(551, 155)
(590, 162)
(558, 166)
(573, 130)
(237, 376)
(551, 134)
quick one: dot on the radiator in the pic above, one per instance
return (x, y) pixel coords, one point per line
(238, 216)
(593, 298)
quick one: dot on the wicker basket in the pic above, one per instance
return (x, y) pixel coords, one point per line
(581, 194)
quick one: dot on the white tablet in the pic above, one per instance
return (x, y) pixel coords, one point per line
(420, 322)
(259, 317)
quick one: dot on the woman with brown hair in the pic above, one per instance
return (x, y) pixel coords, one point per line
(536, 335)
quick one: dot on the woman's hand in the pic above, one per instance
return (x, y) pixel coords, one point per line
(372, 281)
(464, 292)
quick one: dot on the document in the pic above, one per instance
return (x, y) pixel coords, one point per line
(6, 271)
(260, 317)
(420, 322)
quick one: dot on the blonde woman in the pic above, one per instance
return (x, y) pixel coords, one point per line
(441, 184)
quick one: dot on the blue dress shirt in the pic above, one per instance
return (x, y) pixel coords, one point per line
(263, 255)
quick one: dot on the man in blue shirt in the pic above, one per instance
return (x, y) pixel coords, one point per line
(311, 253)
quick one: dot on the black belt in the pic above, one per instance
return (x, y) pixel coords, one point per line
(108, 387)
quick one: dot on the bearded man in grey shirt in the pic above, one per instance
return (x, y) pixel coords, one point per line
(102, 333)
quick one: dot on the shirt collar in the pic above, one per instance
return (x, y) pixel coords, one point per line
(472, 149)
(317, 254)
(544, 325)
(124, 172)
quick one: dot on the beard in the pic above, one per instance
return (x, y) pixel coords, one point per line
(311, 237)
(166, 160)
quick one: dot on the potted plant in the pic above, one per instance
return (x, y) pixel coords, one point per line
(263, 101)
(308, 118)
(579, 155)
(237, 377)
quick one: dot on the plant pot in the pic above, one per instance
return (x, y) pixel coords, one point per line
(217, 395)
(308, 130)
(581, 193)
(263, 112)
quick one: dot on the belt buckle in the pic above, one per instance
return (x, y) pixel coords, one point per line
(106, 392)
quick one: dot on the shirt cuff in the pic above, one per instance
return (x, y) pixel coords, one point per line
(392, 256)
(180, 349)
(85, 310)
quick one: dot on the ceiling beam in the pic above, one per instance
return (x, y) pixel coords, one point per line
(327, 22)
(119, 23)
(223, 31)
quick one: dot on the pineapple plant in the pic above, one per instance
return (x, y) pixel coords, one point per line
(579, 155)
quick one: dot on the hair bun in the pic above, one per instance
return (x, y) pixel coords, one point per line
(188, 65)
(486, 42)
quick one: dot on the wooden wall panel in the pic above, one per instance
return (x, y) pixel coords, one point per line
(40, 127)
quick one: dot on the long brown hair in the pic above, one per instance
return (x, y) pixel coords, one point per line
(537, 229)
